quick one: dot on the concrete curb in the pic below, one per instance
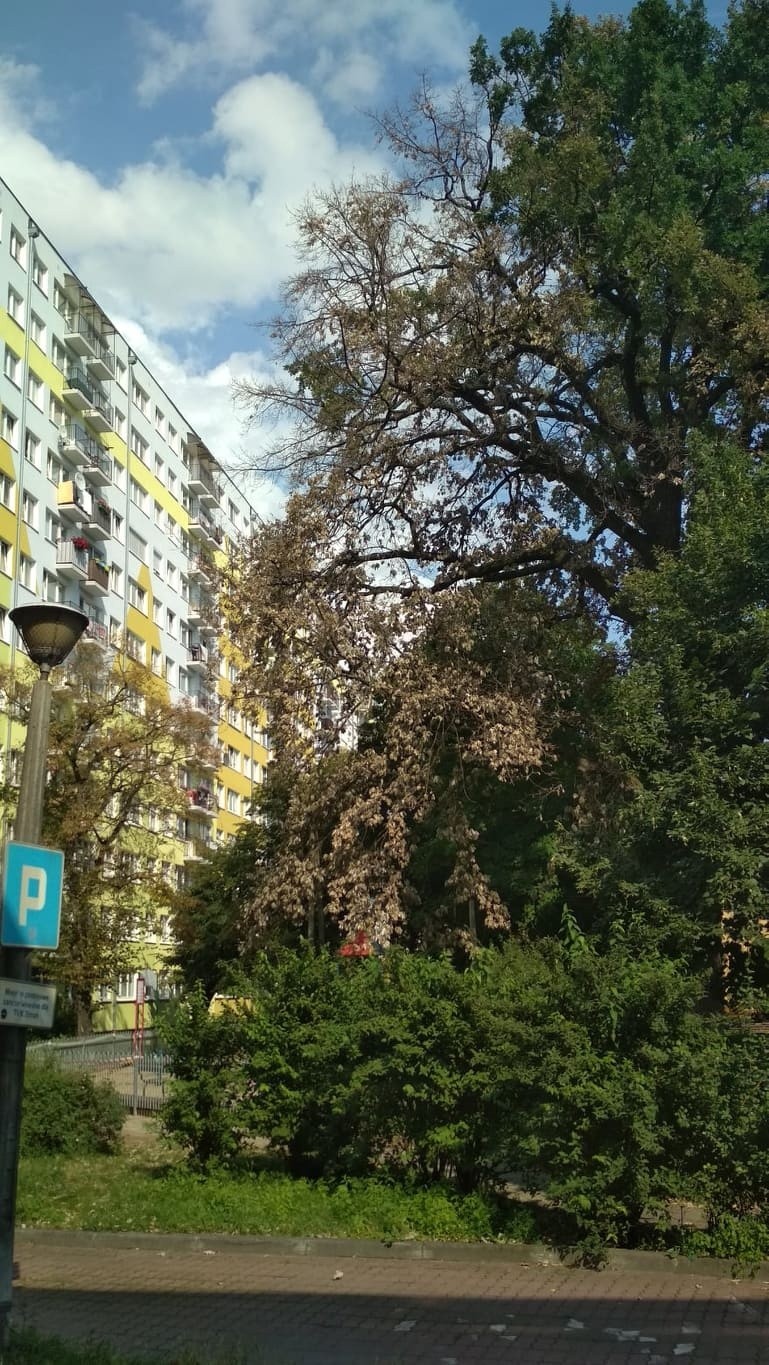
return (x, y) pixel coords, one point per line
(343, 1248)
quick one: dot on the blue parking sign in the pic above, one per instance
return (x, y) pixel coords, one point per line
(32, 886)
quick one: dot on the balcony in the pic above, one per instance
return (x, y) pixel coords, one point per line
(197, 658)
(98, 523)
(99, 467)
(73, 503)
(97, 578)
(201, 800)
(72, 559)
(78, 446)
(196, 850)
(81, 335)
(78, 387)
(200, 567)
(204, 527)
(96, 633)
(99, 411)
(209, 706)
(202, 482)
(102, 362)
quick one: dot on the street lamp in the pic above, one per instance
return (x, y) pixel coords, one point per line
(50, 632)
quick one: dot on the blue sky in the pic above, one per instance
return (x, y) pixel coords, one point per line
(162, 147)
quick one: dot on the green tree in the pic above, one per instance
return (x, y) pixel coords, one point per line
(671, 835)
(112, 804)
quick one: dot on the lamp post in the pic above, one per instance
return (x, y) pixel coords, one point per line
(50, 632)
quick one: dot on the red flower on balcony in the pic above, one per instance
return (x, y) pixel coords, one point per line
(80, 543)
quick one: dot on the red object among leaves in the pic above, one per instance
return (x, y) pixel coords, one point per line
(357, 946)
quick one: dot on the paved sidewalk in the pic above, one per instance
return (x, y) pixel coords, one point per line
(301, 1310)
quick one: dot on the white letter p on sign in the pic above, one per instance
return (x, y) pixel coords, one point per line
(31, 877)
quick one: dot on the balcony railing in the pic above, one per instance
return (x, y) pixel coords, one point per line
(69, 555)
(99, 462)
(79, 380)
(76, 437)
(202, 482)
(97, 576)
(100, 409)
(198, 654)
(200, 798)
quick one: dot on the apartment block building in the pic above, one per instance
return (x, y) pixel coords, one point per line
(111, 502)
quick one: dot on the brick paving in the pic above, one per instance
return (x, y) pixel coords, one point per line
(304, 1310)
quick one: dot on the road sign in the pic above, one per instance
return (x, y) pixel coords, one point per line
(32, 887)
(26, 1004)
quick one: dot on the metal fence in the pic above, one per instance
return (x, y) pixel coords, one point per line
(139, 1077)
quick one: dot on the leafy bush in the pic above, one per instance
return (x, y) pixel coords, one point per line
(67, 1111)
(591, 1077)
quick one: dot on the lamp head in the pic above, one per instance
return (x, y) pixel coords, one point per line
(49, 631)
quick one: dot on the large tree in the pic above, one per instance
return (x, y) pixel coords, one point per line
(495, 367)
(112, 804)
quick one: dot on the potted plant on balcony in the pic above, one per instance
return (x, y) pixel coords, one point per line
(80, 543)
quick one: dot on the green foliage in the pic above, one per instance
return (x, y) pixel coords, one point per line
(112, 1194)
(671, 836)
(67, 1111)
(591, 1076)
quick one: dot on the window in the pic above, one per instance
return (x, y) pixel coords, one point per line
(157, 612)
(27, 572)
(171, 623)
(159, 468)
(157, 662)
(60, 300)
(52, 589)
(37, 331)
(58, 353)
(172, 482)
(116, 578)
(172, 436)
(52, 526)
(117, 526)
(120, 372)
(170, 670)
(35, 390)
(138, 546)
(140, 398)
(232, 801)
(5, 557)
(5, 631)
(12, 366)
(232, 673)
(233, 511)
(157, 563)
(32, 449)
(18, 248)
(171, 572)
(16, 306)
(10, 428)
(53, 468)
(160, 421)
(56, 411)
(183, 680)
(133, 643)
(137, 596)
(138, 445)
(7, 491)
(138, 496)
(184, 634)
(120, 423)
(232, 758)
(184, 588)
(29, 510)
(40, 275)
(118, 475)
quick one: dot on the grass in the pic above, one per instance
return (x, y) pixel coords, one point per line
(141, 1191)
(29, 1348)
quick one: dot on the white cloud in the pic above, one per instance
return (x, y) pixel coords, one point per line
(203, 393)
(167, 245)
(220, 38)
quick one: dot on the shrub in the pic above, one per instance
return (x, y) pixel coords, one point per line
(592, 1077)
(67, 1111)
